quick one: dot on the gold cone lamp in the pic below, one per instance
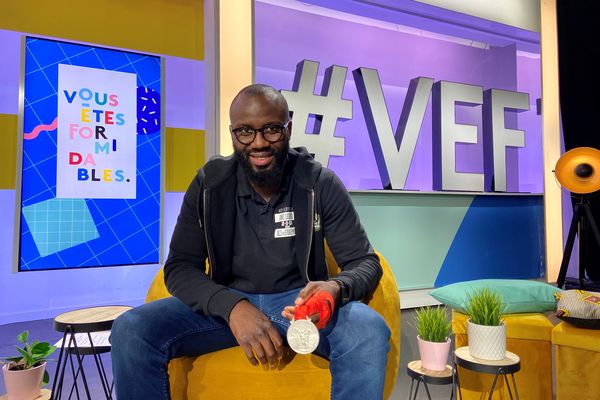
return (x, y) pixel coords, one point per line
(578, 170)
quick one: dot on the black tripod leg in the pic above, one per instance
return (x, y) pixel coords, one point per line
(586, 223)
(583, 252)
(564, 265)
(592, 223)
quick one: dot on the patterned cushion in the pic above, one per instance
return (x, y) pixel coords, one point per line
(579, 308)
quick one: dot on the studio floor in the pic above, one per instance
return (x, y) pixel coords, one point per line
(43, 329)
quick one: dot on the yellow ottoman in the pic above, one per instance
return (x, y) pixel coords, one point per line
(528, 336)
(577, 354)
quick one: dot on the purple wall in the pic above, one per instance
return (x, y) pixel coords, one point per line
(184, 91)
(10, 43)
(285, 37)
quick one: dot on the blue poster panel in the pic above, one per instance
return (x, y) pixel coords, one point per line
(90, 187)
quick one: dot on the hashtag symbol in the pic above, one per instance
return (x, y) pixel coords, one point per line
(327, 108)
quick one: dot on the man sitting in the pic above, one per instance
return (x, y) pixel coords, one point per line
(260, 217)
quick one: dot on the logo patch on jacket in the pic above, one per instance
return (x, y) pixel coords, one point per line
(285, 218)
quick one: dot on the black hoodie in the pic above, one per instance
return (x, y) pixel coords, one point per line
(206, 224)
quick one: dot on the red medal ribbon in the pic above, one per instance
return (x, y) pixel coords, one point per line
(320, 303)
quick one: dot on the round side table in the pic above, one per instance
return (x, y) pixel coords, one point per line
(417, 373)
(74, 323)
(509, 365)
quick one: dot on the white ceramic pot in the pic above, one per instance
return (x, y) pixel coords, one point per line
(25, 384)
(487, 342)
(434, 355)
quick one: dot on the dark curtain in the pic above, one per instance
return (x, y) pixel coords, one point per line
(578, 55)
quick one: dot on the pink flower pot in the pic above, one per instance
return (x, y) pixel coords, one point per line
(434, 355)
(25, 384)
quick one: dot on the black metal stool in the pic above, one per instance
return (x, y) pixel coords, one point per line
(83, 321)
(419, 374)
(509, 365)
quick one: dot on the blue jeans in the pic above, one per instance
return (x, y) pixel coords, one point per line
(146, 338)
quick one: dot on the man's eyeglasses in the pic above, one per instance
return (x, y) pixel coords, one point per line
(272, 133)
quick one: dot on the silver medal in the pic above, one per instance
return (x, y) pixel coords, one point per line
(303, 336)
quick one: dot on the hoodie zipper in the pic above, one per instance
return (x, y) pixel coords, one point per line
(311, 216)
(206, 236)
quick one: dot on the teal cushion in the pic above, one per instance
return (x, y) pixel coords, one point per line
(520, 295)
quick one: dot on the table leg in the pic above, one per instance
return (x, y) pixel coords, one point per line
(109, 388)
(508, 387)
(74, 387)
(79, 357)
(427, 390)
(417, 389)
(69, 349)
(100, 367)
(494, 383)
(456, 382)
(515, 386)
(58, 376)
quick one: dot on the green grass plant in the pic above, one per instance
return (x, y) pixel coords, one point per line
(431, 324)
(485, 307)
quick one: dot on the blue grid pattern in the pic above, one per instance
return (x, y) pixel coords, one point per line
(129, 230)
(58, 224)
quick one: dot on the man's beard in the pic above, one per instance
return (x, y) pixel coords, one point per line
(268, 177)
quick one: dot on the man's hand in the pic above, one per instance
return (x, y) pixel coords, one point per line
(256, 334)
(309, 290)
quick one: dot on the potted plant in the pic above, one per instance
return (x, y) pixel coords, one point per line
(24, 375)
(433, 330)
(486, 330)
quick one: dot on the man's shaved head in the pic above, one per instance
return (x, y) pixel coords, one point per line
(267, 92)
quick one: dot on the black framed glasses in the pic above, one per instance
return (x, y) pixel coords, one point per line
(272, 133)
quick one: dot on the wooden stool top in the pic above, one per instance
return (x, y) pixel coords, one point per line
(45, 395)
(90, 319)
(416, 371)
(508, 365)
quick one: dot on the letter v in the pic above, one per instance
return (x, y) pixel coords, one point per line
(71, 97)
(393, 151)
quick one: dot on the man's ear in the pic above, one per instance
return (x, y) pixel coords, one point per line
(233, 139)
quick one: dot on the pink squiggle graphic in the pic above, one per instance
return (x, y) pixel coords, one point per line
(36, 131)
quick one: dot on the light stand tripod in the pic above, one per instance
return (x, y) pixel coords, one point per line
(582, 216)
(578, 171)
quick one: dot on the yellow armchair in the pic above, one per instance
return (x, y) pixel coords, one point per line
(227, 374)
